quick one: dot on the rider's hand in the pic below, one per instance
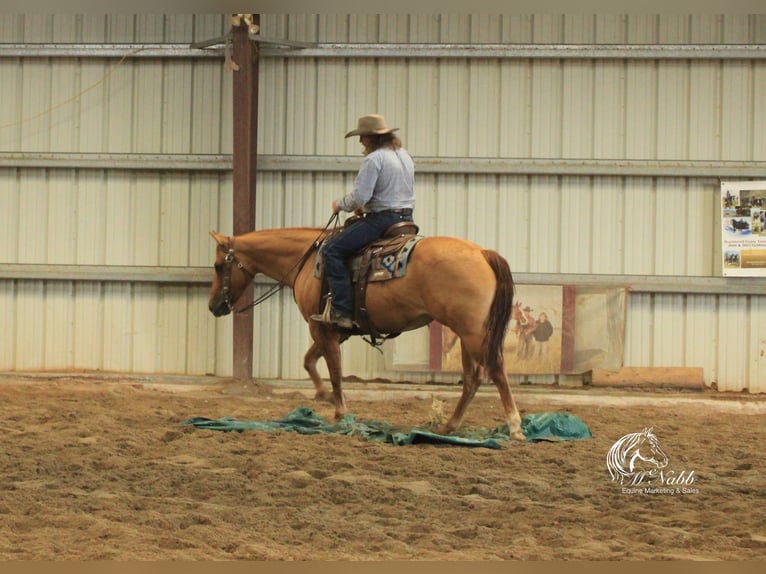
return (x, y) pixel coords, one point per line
(335, 206)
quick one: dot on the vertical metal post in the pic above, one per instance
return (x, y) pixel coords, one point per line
(245, 118)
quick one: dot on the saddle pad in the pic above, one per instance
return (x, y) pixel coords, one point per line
(391, 266)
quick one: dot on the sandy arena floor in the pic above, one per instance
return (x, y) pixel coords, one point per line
(103, 469)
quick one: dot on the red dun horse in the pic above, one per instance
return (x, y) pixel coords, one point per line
(455, 282)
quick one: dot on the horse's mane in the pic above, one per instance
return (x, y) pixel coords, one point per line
(309, 233)
(283, 230)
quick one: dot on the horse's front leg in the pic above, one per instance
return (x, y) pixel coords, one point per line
(328, 340)
(472, 373)
(310, 364)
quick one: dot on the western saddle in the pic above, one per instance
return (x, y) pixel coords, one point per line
(382, 260)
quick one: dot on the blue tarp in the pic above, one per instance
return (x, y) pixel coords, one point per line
(536, 427)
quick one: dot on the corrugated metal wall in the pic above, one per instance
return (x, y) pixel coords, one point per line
(451, 109)
(110, 216)
(669, 109)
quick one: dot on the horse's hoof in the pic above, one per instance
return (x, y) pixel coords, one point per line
(518, 435)
(323, 396)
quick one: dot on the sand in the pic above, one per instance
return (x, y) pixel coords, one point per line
(103, 469)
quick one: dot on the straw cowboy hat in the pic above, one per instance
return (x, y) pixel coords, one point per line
(371, 124)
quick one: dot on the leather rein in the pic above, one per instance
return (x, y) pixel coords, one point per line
(230, 260)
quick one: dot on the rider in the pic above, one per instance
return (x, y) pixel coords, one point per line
(384, 191)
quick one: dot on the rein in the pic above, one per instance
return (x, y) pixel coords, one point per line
(231, 258)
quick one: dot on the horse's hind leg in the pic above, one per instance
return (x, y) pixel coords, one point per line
(512, 416)
(472, 378)
(310, 364)
(472, 373)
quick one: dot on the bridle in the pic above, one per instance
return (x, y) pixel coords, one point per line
(230, 260)
(228, 264)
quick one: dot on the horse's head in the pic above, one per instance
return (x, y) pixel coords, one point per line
(231, 277)
(650, 450)
(636, 455)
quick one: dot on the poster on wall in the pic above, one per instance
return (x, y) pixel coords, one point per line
(554, 329)
(538, 339)
(743, 228)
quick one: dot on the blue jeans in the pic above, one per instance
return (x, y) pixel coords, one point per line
(352, 239)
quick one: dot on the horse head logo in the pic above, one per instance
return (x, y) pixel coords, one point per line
(636, 456)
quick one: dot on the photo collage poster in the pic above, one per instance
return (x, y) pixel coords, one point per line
(743, 228)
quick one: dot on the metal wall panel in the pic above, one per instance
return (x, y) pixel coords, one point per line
(637, 109)
(734, 319)
(701, 338)
(544, 109)
(756, 347)
(108, 105)
(91, 218)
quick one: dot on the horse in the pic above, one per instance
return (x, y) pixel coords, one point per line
(636, 456)
(453, 281)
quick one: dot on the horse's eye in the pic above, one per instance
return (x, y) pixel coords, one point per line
(218, 267)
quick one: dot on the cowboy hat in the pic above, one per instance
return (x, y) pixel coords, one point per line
(369, 125)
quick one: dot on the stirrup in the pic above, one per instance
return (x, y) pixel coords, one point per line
(325, 315)
(327, 318)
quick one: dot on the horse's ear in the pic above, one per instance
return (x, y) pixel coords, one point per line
(648, 430)
(219, 239)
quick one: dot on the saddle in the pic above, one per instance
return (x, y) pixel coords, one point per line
(382, 260)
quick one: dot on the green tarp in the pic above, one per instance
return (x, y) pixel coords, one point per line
(536, 427)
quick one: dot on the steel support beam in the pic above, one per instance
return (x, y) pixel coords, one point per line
(244, 166)
(291, 49)
(529, 51)
(141, 51)
(202, 276)
(666, 284)
(116, 161)
(106, 273)
(432, 165)
(531, 166)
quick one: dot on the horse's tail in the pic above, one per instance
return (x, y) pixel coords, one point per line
(499, 311)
